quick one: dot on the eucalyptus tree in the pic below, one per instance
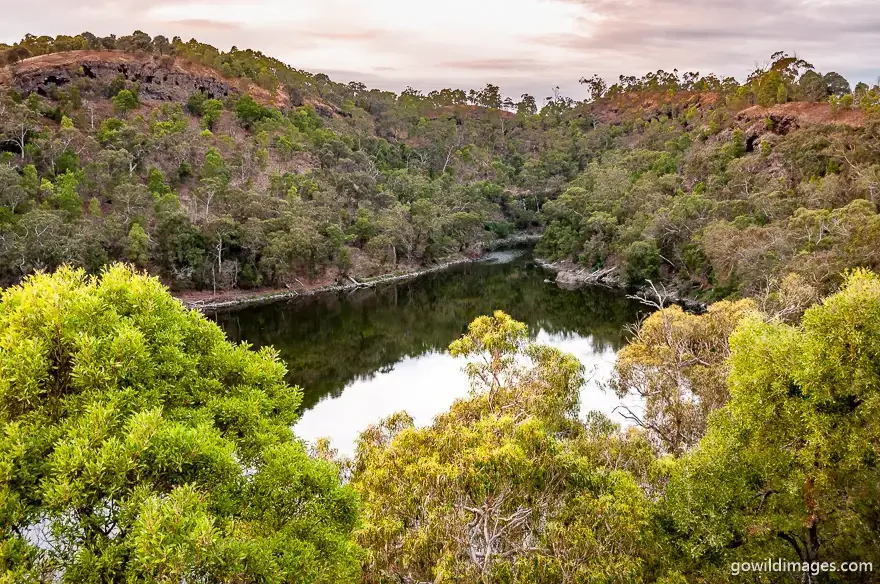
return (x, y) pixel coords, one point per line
(788, 469)
(508, 486)
(137, 444)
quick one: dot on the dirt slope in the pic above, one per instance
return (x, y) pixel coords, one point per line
(798, 114)
(161, 78)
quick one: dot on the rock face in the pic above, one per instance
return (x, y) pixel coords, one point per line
(159, 78)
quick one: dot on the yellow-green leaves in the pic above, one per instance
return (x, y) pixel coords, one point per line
(677, 364)
(141, 446)
(788, 467)
(506, 486)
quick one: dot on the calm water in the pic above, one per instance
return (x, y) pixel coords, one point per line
(362, 355)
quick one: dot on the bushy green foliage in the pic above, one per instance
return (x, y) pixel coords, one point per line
(671, 166)
(125, 101)
(506, 485)
(137, 444)
(284, 190)
(249, 112)
(787, 468)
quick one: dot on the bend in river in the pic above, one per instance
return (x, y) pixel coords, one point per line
(362, 355)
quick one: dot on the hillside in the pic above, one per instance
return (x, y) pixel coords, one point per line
(233, 170)
(160, 78)
(138, 444)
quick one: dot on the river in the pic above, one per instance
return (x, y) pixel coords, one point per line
(362, 355)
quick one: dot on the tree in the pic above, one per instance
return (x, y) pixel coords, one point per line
(490, 97)
(17, 124)
(506, 486)
(137, 247)
(767, 86)
(527, 105)
(196, 101)
(250, 112)
(642, 261)
(837, 84)
(596, 86)
(677, 364)
(212, 109)
(812, 87)
(787, 467)
(143, 445)
(125, 101)
(66, 196)
(12, 192)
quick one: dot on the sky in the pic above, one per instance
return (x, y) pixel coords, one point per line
(524, 46)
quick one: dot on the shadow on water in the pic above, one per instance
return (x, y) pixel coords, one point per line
(333, 340)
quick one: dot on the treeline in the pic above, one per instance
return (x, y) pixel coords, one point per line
(659, 177)
(237, 193)
(783, 79)
(719, 203)
(138, 444)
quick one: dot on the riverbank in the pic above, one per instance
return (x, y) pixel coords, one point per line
(572, 276)
(231, 299)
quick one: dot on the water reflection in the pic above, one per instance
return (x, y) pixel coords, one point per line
(363, 355)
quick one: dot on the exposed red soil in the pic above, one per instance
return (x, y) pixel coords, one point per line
(805, 114)
(612, 110)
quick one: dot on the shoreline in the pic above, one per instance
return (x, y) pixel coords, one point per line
(233, 300)
(571, 276)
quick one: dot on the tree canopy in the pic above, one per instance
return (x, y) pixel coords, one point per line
(138, 444)
(506, 486)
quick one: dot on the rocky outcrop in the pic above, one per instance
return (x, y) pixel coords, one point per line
(784, 117)
(572, 276)
(159, 78)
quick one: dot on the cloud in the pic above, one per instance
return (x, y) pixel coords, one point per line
(202, 25)
(520, 45)
(723, 36)
(355, 35)
(500, 64)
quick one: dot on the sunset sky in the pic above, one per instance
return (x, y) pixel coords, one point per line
(521, 45)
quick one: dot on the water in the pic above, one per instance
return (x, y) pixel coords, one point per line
(362, 355)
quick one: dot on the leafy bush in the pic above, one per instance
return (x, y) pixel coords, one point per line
(143, 445)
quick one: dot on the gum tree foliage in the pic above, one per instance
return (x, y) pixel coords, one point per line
(507, 486)
(125, 101)
(137, 444)
(677, 363)
(788, 467)
(674, 183)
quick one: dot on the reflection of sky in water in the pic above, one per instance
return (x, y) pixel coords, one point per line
(427, 385)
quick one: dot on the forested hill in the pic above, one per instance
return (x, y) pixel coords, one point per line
(233, 170)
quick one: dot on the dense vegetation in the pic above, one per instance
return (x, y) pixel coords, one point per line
(138, 445)
(510, 486)
(211, 193)
(655, 176)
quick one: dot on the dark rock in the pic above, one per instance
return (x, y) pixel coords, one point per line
(158, 79)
